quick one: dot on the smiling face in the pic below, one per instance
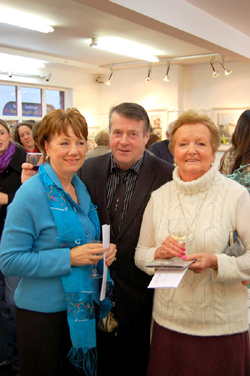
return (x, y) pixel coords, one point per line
(66, 153)
(127, 140)
(193, 151)
(26, 138)
(5, 138)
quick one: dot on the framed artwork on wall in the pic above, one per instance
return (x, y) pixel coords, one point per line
(226, 120)
(92, 132)
(159, 121)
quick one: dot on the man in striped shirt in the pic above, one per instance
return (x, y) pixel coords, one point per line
(129, 128)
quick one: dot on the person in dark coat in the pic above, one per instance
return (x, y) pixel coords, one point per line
(161, 149)
(12, 157)
(129, 133)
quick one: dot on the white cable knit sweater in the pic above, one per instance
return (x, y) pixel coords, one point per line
(212, 303)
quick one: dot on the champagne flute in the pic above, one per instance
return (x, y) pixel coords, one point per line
(94, 273)
(178, 229)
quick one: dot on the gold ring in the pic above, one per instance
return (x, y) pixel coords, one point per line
(115, 259)
(164, 250)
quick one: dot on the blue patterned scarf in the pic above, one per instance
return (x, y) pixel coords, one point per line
(242, 176)
(81, 291)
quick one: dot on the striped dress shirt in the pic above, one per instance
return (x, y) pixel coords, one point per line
(129, 182)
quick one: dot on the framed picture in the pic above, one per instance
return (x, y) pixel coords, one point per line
(226, 120)
(159, 121)
(92, 132)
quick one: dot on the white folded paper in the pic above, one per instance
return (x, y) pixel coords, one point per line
(167, 278)
(105, 243)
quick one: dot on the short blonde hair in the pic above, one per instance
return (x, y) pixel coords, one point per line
(194, 117)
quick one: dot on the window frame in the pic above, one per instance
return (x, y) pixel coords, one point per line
(19, 117)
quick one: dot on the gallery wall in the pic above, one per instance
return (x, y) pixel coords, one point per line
(190, 86)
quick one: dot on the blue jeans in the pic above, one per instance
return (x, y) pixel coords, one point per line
(7, 309)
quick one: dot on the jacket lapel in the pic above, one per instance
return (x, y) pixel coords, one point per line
(143, 186)
(100, 189)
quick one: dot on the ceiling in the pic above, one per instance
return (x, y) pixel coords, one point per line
(76, 21)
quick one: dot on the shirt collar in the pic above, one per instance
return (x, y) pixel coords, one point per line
(136, 166)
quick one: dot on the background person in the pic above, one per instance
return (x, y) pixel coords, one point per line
(23, 136)
(102, 142)
(161, 148)
(48, 226)
(12, 157)
(152, 139)
(239, 153)
(207, 314)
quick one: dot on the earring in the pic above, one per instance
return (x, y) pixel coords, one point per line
(47, 158)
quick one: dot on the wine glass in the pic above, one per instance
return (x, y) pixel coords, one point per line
(34, 159)
(94, 273)
(178, 229)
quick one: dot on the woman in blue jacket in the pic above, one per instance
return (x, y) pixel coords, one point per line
(48, 242)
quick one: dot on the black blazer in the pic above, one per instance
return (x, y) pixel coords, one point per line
(160, 149)
(132, 298)
(10, 180)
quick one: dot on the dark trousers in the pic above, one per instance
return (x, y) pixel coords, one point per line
(125, 354)
(8, 286)
(43, 343)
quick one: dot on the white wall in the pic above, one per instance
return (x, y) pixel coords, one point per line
(130, 85)
(82, 91)
(190, 86)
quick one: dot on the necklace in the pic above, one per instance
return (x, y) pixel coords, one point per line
(198, 210)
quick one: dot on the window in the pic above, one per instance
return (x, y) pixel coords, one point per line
(19, 103)
(54, 99)
(31, 102)
(8, 105)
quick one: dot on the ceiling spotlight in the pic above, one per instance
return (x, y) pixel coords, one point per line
(110, 77)
(148, 78)
(227, 71)
(48, 77)
(215, 72)
(10, 74)
(167, 78)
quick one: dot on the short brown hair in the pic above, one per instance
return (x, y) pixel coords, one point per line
(194, 117)
(5, 125)
(57, 121)
(16, 137)
(102, 138)
(133, 111)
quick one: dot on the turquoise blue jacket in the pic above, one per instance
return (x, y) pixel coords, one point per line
(29, 247)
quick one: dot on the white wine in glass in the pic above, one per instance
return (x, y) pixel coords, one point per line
(178, 229)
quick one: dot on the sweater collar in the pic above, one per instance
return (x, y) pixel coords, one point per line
(195, 186)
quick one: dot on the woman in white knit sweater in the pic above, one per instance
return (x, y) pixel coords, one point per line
(201, 327)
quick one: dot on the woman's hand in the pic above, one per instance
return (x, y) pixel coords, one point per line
(110, 256)
(204, 261)
(27, 172)
(170, 248)
(86, 254)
